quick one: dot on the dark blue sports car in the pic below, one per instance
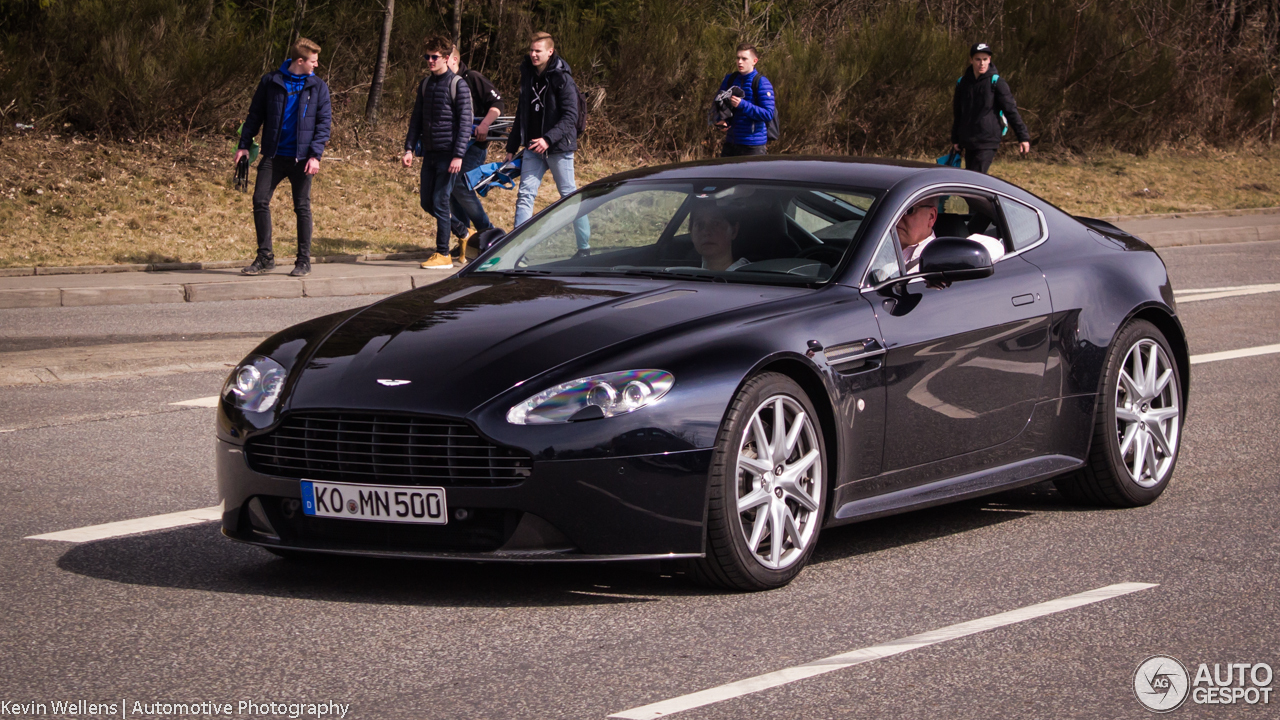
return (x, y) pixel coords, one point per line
(711, 362)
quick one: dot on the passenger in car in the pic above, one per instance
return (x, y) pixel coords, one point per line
(915, 231)
(713, 233)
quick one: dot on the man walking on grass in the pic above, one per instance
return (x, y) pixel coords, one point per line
(441, 127)
(982, 98)
(486, 105)
(750, 98)
(291, 107)
(546, 124)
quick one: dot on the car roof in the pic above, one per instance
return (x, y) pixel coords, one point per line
(874, 173)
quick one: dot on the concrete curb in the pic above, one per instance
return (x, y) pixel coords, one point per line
(1180, 238)
(255, 289)
(213, 265)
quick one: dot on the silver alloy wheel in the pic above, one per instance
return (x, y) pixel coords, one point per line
(1148, 414)
(779, 481)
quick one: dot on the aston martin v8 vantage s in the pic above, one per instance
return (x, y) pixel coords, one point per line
(711, 362)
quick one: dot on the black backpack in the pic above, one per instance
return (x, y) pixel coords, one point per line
(771, 128)
(582, 108)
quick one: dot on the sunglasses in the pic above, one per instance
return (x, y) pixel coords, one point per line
(432, 58)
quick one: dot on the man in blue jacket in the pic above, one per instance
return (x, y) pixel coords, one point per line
(291, 107)
(753, 106)
(441, 127)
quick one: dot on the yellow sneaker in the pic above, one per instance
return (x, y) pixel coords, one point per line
(437, 261)
(467, 249)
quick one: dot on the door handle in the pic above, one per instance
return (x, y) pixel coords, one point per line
(1024, 299)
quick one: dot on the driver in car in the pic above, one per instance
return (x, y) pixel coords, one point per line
(915, 231)
(713, 232)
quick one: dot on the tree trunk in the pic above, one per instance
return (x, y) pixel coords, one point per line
(380, 68)
(300, 12)
(202, 20)
(457, 25)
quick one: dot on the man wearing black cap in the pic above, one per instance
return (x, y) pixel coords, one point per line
(982, 106)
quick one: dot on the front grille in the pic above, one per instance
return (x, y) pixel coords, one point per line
(384, 449)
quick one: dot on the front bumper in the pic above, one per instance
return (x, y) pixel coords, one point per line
(626, 508)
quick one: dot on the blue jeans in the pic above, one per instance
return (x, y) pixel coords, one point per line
(466, 207)
(532, 167)
(435, 185)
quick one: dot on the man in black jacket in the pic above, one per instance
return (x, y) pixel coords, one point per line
(441, 127)
(291, 107)
(981, 97)
(486, 105)
(546, 124)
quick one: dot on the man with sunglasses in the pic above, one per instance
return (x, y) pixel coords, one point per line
(915, 231)
(441, 127)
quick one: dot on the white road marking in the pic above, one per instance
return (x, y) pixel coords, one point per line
(875, 652)
(1186, 296)
(211, 402)
(131, 527)
(1233, 354)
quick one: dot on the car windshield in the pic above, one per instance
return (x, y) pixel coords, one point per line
(718, 230)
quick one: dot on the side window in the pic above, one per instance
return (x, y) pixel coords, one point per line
(884, 265)
(1024, 223)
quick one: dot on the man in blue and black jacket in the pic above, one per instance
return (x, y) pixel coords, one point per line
(752, 105)
(291, 107)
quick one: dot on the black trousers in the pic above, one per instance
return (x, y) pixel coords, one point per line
(978, 159)
(729, 149)
(271, 172)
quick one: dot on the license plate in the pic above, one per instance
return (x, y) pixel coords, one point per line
(382, 503)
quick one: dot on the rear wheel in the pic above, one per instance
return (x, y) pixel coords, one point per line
(768, 488)
(1138, 424)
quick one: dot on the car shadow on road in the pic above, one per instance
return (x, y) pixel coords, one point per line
(886, 533)
(198, 557)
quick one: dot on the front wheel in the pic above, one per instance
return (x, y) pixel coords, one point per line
(1138, 424)
(768, 488)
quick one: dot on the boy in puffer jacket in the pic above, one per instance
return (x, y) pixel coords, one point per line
(753, 106)
(291, 107)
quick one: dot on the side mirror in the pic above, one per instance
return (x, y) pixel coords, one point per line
(955, 258)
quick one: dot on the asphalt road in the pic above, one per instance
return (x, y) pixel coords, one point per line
(186, 616)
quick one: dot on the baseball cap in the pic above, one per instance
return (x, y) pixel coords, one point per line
(981, 48)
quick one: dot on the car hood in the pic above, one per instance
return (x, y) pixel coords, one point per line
(463, 341)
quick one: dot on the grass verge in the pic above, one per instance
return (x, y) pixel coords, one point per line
(74, 201)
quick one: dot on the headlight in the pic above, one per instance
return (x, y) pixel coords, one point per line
(255, 384)
(593, 397)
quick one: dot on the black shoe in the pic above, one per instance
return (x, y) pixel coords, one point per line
(300, 269)
(259, 265)
(584, 252)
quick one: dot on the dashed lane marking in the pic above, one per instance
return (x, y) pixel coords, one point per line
(209, 402)
(1233, 354)
(132, 527)
(876, 652)
(1186, 296)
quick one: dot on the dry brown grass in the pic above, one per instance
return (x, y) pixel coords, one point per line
(72, 201)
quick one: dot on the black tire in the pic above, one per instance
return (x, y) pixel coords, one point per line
(1108, 477)
(731, 562)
